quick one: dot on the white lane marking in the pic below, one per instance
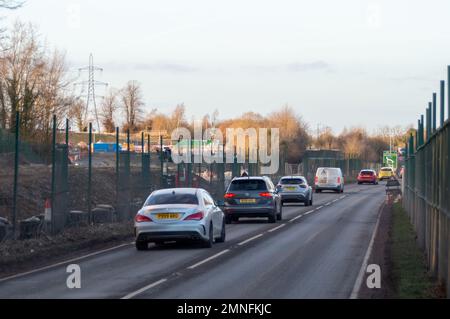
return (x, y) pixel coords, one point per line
(276, 228)
(138, 292)
(362, 271)
(62, 263)
(310, 212)
(294, 219)
(319, 208)
(250, 239)
(208, 259)
(342, 197)
(328, 204)
(335, 201)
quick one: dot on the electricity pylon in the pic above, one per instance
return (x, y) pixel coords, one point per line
(91, 83)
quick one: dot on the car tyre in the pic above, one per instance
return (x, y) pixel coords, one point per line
(209, 242)
(228, 219)
(280, 214)
(222, 237)
(141, 245)
(273, 218)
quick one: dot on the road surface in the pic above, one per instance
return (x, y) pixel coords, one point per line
(315, 252)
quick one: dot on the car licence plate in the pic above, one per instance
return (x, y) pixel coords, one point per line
(168, 216)
(290, 188)
(248, 201)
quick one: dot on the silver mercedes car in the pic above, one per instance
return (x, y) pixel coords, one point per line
(179, 214)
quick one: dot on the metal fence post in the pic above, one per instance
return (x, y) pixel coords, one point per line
(434, 111)
(89, 204)
(67, 133)
(442, 96)
(52, 204)
(117, 166)
(16, 173)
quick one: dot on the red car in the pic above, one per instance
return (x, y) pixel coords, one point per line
(367, 176)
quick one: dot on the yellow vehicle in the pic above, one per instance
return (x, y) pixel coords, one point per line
(385, 173)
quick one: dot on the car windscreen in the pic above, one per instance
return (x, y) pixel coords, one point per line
(248, 185)
(292, 181)
(172, 198)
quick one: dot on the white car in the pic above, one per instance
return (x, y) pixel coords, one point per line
(179, 214)
(329, 178)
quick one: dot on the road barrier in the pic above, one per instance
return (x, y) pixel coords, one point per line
(427, 189)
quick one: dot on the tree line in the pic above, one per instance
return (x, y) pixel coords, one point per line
(36, 81)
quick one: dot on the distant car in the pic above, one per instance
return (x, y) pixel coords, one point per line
(386, 173)
(367, 176)
(179, 214)
(252, 197)
(329, 178)
(295, 189)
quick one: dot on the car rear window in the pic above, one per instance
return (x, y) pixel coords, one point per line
(292, 181)
(172, 198)
(248, 185)
(329, 171)
(386, 169)
(367, 173)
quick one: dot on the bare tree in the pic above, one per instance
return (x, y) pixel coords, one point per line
(132, 105)
(78, 114)
(33, 82)
(109, 107)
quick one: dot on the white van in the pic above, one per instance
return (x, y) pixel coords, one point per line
(329, 178)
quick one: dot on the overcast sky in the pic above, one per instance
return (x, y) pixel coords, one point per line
(338, 63)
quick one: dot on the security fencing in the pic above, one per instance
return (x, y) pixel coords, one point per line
(426, 195)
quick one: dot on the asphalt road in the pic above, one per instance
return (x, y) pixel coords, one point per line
(315, 252)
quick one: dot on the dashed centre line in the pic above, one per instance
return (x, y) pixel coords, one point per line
(208, 259)
(276, 228)
(139, 291)
(249, 240)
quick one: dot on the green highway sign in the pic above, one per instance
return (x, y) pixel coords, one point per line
(390, 159)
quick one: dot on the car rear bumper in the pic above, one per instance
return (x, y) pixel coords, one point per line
(328, 187)
(366, 180)
(293, 197)
(245, 211)
(159, 232)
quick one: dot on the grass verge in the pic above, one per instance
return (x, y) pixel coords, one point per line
(409, 271)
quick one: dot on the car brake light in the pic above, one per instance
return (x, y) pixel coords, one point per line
(196, 216)
(142, 219)
(316, 179)
(339, 180)
(229, 195)
(265, 194)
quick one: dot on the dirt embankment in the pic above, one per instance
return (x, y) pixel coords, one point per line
(19, 256)
(34, 187)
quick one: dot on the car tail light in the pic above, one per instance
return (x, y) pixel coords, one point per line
(142, 219)
(196, 216)
(339, 180)
(265, 194)
(316, 179)
(229, 195)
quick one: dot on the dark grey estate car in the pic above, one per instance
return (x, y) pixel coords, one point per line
(252, 197)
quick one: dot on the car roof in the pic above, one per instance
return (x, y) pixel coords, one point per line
(262, 178)
(293, 176)
(192, 191)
